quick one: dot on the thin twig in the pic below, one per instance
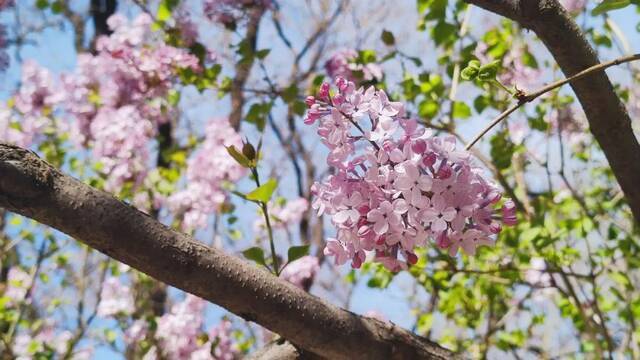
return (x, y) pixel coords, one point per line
(525, 98)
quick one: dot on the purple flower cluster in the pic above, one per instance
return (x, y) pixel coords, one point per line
(207, 170)
(404, 188)
(118, 97)
(116, 298)
(32, 105)
(178, 330)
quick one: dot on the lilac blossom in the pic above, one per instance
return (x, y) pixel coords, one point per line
(24, 123)
(403, 189)
(18, 282)
(115, 298)
(178, 330)
(118, 109)
(224, 347)
(207, 170)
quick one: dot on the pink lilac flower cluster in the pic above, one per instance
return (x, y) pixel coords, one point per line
(402, 188)
(115, 298)
(136, 332)
(283, 216)
(207, 170)
(515, 72)
(302, 271)
(18, 282)
(32, 105)
(47, 338)
(178, 330)
(225, 347)
(118, 96)
(178, 333)
(229, 12)
(342, 64)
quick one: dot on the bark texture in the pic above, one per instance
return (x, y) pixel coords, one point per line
(608, 118)
(31, 187)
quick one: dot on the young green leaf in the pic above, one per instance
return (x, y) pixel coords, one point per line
(608, 5)
(296, 252)
(264, 192)
(489, 71)
(238, 156)
(255, 254)
(471, 71)
(388, 38)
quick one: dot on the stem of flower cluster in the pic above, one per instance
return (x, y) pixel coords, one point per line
(265, 211)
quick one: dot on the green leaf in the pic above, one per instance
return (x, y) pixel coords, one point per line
(261, 54)
(468, 73)
(608, 5)
(42, 4)
(264, 192)
(164, 12)
(387, 38)
(444, 33)
(238, 156)
(255, 254)
(249, 151)
(501, 150)
(57, 7)
(296, 252)
(428, 109)
(289, 93)
(471, 71)
(489, 71)
(461, 110)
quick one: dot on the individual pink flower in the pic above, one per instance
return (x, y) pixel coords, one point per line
(337, 250)
(509, 213)
(387, 215)
(438, 214)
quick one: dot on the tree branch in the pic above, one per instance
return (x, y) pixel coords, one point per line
(608, 119)
(31, 187)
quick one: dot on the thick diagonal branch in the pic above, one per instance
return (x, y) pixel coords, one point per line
(608, 119)
(33, 188)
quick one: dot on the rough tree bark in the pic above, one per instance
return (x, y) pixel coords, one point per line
(31, 187)
(608, 119)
